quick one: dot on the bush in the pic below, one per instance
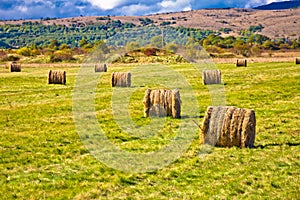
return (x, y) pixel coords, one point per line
(146, 21)
(171, 47)
(35, 52)
(165, 23)
(150, 51)
(10, 58)
(3, 55)
(60, 56)
(132, 46)
(24, 51)
(101, 18)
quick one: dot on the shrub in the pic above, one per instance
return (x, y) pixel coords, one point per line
(150, 52)
(24, 51)
(60, 56)
(130, 46)
(3, 55)
(165, 23)
(35, 52)
(171, 47)
(10, 58)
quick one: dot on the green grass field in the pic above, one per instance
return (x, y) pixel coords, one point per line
(42, 156)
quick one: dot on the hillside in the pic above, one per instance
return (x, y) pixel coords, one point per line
(276, 23)
(280, 5)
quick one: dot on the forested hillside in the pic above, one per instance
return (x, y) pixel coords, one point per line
(63, 39)
(35, 34)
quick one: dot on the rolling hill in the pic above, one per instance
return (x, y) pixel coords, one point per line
(280, 5)
(276, 23)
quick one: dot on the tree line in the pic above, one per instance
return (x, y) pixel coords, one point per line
(61, 42)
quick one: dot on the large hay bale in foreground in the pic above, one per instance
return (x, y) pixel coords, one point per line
(14, 67)
(161, 103)
(228, 126)
(121, 79)
(100, 68)
(241, 63)
(297, 61)
(57, 77)
(211, 77)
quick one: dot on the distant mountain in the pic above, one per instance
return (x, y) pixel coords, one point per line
(280, 5)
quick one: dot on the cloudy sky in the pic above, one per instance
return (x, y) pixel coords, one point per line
(35, 9)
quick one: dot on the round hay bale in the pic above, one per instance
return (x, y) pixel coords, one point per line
(211, 77)
(297, 61)
(176, 104)
(14, 67)
(100, 68)
(57, 77)
(241, 63)
(121, 79)
(147, 103)
(228, 126)
(161, 103)
(158, 104)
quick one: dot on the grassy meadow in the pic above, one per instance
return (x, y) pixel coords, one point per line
(42, 156)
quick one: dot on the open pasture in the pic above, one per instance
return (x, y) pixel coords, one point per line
(42, 156)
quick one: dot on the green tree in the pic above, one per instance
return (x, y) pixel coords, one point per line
(83, 42)
(241, 48)
(260, 39)
(229, 41)
(101, 46)
(172, 47)
(63, 46)
(193, 41)
(156, 41)
(54, 44)
(132, 46)
(255, 50)
(251, 40)
(268, 44)
(295, 44)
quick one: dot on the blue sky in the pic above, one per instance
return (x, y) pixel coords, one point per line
(35, 9)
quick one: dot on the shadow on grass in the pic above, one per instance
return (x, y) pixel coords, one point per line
(276, 144)
(187, 117)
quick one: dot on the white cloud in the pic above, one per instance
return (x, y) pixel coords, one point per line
(64, 8)
(137, 9)
(23, 9)
(187, 8)
(33, 1)
(254, 3)
(270, 1)
(106, 4)
(167, 3)
(173, 6)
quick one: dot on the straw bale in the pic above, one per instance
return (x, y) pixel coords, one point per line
(211, 77)
(121, 79)
(147, 102)
(161, 103)
(241, 63)
(57, 77)
(14, 67)
(100, 68)
(248, 130)
(228, 126)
